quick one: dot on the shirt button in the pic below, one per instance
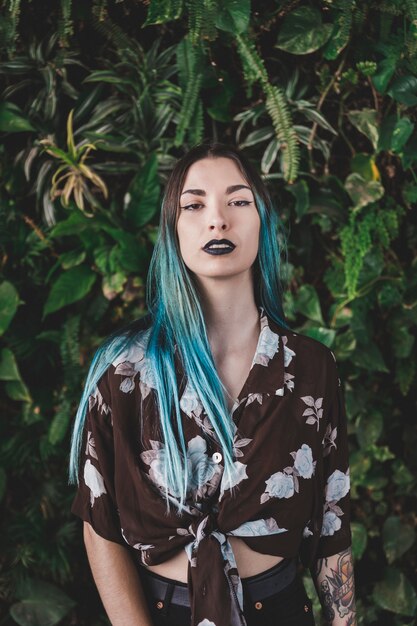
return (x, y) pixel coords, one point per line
(258, 605)
(159, 604)
(217, 457)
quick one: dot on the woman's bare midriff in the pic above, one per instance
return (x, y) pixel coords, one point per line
(248, 562)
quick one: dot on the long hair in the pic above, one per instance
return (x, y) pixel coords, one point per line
(177, 322)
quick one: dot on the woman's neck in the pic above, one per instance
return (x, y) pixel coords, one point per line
(230, 312)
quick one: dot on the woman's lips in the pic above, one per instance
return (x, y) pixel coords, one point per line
(219, 246)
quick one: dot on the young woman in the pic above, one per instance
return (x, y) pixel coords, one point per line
(210, 444)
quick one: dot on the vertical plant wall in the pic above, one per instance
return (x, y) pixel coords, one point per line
(98, 99)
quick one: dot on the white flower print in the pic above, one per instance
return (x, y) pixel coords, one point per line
(90, 448)
(252, 397)
(257, 528)
(331, 523)
(206, 622)
(238, 474)
(201, 467)
(307, 532)
(190, 402)
(288, 353)
(338, 485)
(267, 344)
(284, 484)
(127, 385)
(133, 360)
(314, 412)
(329, 439)
(278, 485)
(94, 481)
(303, 462)
(96, 398)
(203, 472)
(239, 443)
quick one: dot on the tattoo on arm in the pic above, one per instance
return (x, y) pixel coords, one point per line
(336, 586)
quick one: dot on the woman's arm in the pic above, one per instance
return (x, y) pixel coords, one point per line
(334, 581)
(117, 580)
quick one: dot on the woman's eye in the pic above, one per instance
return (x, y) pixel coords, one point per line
(239, 202)
(190, 207)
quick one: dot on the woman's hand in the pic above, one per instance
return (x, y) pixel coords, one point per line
(334, 581)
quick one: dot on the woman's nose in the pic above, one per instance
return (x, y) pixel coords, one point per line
(218, 218)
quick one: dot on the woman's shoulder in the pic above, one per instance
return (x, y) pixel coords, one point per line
(125, 356)
(315, 358)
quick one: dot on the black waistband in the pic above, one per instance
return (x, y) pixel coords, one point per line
(258, 587)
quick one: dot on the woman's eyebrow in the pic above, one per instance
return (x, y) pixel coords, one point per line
(229, 190)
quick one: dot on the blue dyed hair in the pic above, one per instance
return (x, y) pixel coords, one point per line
(176, 317)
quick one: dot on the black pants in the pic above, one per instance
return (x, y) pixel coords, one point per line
(289, 607)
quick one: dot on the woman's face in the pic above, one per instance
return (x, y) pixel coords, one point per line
(216, 203)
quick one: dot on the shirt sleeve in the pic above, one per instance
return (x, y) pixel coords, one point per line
(95, 499)
(335, 535)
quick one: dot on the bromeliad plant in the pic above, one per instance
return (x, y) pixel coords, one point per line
(73, 176)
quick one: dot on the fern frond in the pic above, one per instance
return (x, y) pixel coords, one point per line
(209, 25)
(252, 63)
(276, 105)
(195, 19)
(277, 108)
(66, 25)
(411, 13)
(188, 106)
(99, 10)
(196, 131)
(9, 26)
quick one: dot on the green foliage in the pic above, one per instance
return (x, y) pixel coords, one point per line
(327, 117)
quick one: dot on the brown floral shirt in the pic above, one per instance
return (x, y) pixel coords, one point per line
(291, 476)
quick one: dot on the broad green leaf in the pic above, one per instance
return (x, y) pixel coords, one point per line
(162, 11)
(359, 539)
(369, 357)
(9, 372)
(42, 604)
(12, 119)
(76, 222)
(362, 191)
(257, 136)
(409, 191)
(70, 287)
(404, 90)
(233, 16)
(303, 31)
(385, 72)
(17, 390)
(366, 121)
(9, 301)
(301, 193)
(324, 335)
(397, 537)
(141, 199)
(307, 303)
(369, 428)
(401, 475)
(72, 258)
(395, 593)
(364, 165)
(113, 285)
(131, 254)
(270, 155)
(360, 464)
(8, 365)
(401, 134)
